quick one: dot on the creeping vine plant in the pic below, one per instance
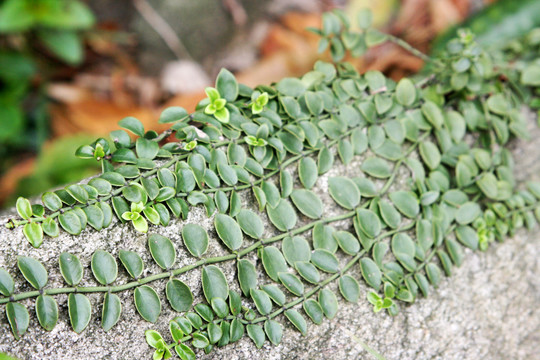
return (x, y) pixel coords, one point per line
(448, 131)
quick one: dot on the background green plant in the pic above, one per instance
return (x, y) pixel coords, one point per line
(449, 130)
(29, 29)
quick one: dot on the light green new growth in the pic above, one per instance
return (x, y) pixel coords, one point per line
(449, 131)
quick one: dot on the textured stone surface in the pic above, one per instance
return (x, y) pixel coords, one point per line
(489, 308)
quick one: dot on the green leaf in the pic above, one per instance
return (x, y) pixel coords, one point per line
(146, 149)
(376, 167)
(344, 192)
(291, 283)
(34, 234)
(196, 239)
(389, 214)
(273, 262)
(70, 222)
(18, 318)
(328, 302)
(250, 223)
(531, 75)
(172, 114)
(256, 333)
(64, 44)
(347, 242)
(179, 295)
(147, 303)
(297, 320)
(132, 262)
(325, 260)
(433, 273)
(291, 87)
(468, 212)
(226, 85)
(220, 306)
(308, 203)
(405, 92)
(488, 184)
(467, 236)
(184, 352)
(33, 271)
(153, 338)
(282, 216)
(325, 160)
(214, 283)
(308, 271)
(228, 231)
(349, 288)
(24, 208)
(162, 250)
(369, 222)
(112, 308)
(406, 202)
(6, 283)
(433, 114)
(307, 172)
(133, 125)
(274, 331)
(71, 268)
(104, 267)
(262, 301)
(51, 201)
(295, 249)
(430, 154)
(95, 216)
(47, 311)
(247, 276)
(80, 310)
(365, 18)
(371, 273)
(314, 311)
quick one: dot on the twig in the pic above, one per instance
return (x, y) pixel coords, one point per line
(164, 30)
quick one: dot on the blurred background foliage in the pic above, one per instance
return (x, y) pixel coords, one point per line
(71, 69)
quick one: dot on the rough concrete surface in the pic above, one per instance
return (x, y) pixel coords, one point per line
(488, 309)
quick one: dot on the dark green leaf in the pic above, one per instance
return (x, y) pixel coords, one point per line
(80, 310)
(71, 268)
(228, 231)
(33, 271)
(297, 320)
(314, 311)
(406, 202)
(112, 308)
(307, 172)
(295, 249)
(308, 203)
(325, 260)
(71, 222)
(179, 295)
(347, 242)
(6, 283)
(262, 301)
(132, 262)
(274, 331)
(371, 273)
(282, 216)
(328, 302)
(292, 283)
(344, 192)
(18, 318)
(226, 85)
(376, 167)
(256, 333)
(247, 276)
(250, 223)
(467, 236)
(349, 288)
(214, 283)
(133, 125)
(147, 303)
(104, 267)
(273, 262)
(195, 238)
(47, 311)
